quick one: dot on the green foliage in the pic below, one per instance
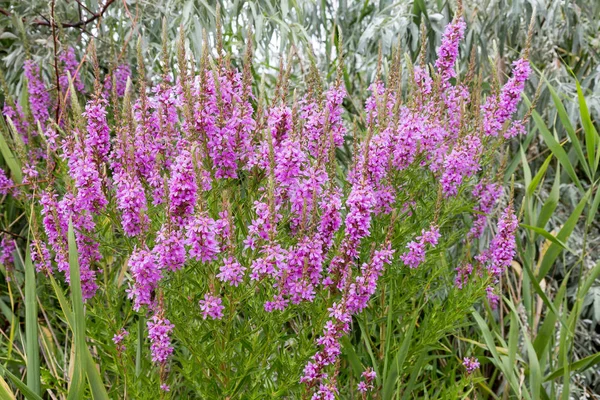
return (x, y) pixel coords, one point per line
(418, 328)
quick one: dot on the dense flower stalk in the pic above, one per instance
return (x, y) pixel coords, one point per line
(202, 238)
(18, 119)
(97, 138)
(503, 247)
(231, 271)
(70, 65)
(159, 329)
(448, 50)
(486, 195)
(121, 73)
(497, 110)
(39, 97)
(182, 187)
(146, 274)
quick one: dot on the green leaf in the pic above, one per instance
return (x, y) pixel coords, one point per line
(591, 135)
(556, 149)
(578, 366)
(551, 202)
(589, 280)
(548, 236)
(29, 395)
(538, 177)
(5, 392)
(13, 162)
(348, 350)
(566, 123)
(97, 387)
(554, 250)
(31, 327)
(76, 388)
(546, 331)
(594, 208)
(541, 293)
(390, 380)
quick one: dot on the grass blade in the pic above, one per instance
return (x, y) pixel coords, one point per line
(5, 392)
(548, 236)
(31, 327)
(591, 135)
(578, 366)
(556, 149)
(566, 123)
(29, 395)
(551, 202)
(554, 249)
(76, 387)
(392, 376)
(538, 177)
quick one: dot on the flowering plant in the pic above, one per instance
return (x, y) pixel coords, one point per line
(224, 248)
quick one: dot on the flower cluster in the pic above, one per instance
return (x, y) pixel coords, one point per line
(415, 255)
(39, 97)
(6, 184)
(211, 306)
(192, 169)
(471, 364)
(159, 329)
(118, 339)
(366, 384)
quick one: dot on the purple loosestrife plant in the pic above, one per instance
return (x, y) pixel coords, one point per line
(236, 221)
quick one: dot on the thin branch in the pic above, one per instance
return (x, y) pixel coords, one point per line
(80, 23)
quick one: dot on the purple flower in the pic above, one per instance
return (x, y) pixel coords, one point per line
(492, 297)
(211, 306)
(18, 119)
(82, 169)
(498, 109)
(39, 98)
(330, 218)
(182, 187)
(487, 195)
(367, 384)
(360, 203)
(354, 300)
(121, 73)
(56, 230)
(503, 247)
(415, 255)
(131, 201)
(118, 339)
(70, 64)
(231, 271)
(97, 139)
(41, 258)
(6, 184)
(7, 247)
(170, 249)
(145, 275)
(470, 364)
(159, 329)
(202, 238)
(462, 276)
(448, 50)
(461, 163)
